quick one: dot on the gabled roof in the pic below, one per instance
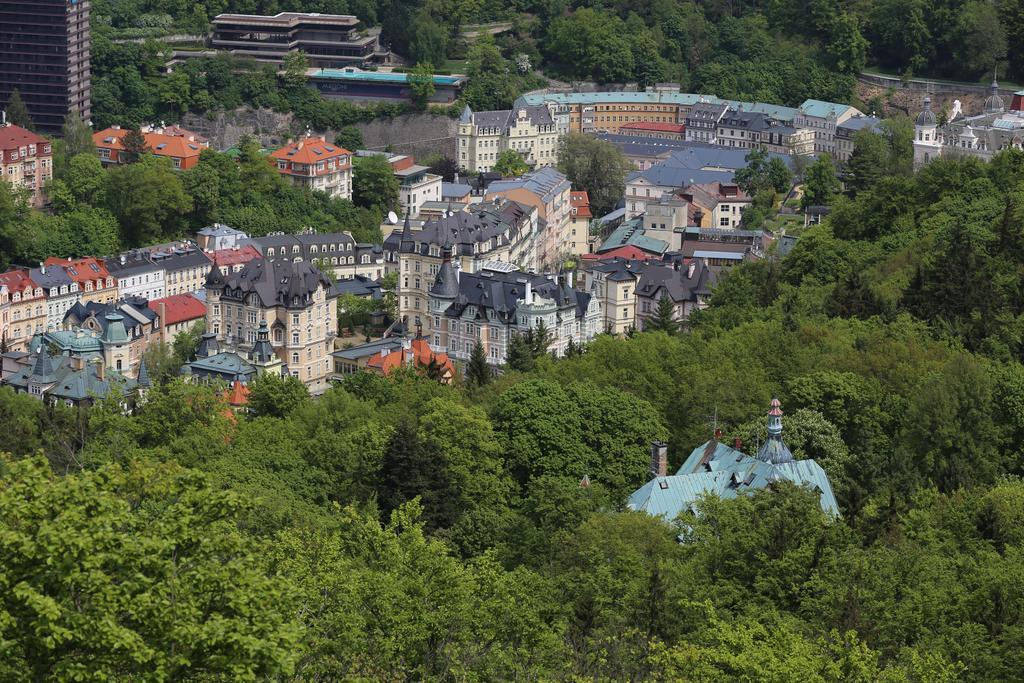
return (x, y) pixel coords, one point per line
(822, 109)
(181, 144)
(17, 280)
(277, 282)
(418, 355)
(233, 257)
(178, 308)
(81, 270)
(13, 136)
(546, 183)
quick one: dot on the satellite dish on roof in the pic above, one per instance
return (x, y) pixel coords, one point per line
(392, 218)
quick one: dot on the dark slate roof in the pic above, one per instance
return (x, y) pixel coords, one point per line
(135, 262)
(80, 311)
(71, 384)
(484, 222)
(226, 364)
(502, 119)
(706, 111)
(502, 292)
(747, 120)
(455, 190)
(277, 282)
(177, 256)
(446, 284)
(49, 277)
(360, 286)
(675, 281)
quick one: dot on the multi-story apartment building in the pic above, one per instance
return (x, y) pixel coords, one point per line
(178, 313)
(579, 224)
(723, 202)
(181, 146)
(847, 130)
(686, 285)
(26, 161)
(502, 231)
(184, 264)
(336, 253)
(613, 285)
(60, 290)
(547, 190)
(822, 118)
(416, 186)
(26, 308)
(44, 55)
(327, 40)
(532, 131)
(137, 275)
(292, 299)
(702, 121)
(489, 306)
(95, 283)
(654, 129)
(315, 164)
(129, 320)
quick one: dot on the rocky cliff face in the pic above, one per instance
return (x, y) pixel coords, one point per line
(416, 134)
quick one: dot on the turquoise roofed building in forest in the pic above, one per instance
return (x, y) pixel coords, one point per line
(714, 468)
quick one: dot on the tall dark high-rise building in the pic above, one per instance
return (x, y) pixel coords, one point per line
(44, 55)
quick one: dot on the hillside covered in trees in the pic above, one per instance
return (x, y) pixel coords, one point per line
(396, 528)
(783, 51)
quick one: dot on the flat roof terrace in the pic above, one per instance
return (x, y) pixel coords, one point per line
(287, 19)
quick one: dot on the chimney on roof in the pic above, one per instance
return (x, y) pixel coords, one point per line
(528, 298)
(124, 259)
(690, 269)
(42, 268)
(659, 459)
(718, 435)
(737, 444)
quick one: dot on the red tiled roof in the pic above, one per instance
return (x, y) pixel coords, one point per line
(81, 270)
(179, 308)
(12, 136)
(581, 202)
(238, 394)
(628, 252)
(17, 280)
(309, 151)
(419, 354)
(234, 257)
(654, 126)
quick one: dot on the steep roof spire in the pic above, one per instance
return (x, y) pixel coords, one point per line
(774, 449)
(143, 378)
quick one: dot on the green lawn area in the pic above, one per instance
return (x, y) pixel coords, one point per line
(455, 66)
(787, 222)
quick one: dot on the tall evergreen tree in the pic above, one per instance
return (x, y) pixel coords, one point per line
(134, 143)
(540, 339)
(17, 112)
(409, 470)
(519, 356)
(664, 318)
(478, 372)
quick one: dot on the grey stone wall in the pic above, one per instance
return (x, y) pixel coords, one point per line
(416, 134)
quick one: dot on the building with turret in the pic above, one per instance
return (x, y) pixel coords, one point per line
(532, 131)
(276, 307)
(727, 472)
(491, 305)
(999, 126)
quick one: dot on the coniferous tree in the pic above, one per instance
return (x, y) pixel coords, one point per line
(134, 143)
(409, 470)
(519, 356)
(540, 339)
(478, 372)
(17, 112)
(664, 318)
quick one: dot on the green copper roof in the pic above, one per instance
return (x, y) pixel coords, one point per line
(115, 332)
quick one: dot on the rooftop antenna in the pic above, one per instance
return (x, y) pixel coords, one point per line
(713, 420)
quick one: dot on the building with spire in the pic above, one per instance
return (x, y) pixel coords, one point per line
(275, 313)
(999, 126)
(72, 377)
(491, 305)
(716, 469)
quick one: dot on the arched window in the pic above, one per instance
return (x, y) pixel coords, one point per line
(270, 252)
(278, 335)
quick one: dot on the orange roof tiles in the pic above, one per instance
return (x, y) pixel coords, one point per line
(418, 354)
(178, 308)
(581, 202)
(177, 144)
(309, 151)
(238, 394)
(81, 270)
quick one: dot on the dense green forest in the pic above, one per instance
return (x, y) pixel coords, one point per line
(782, 51)
(98, 211)
(398, 529)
